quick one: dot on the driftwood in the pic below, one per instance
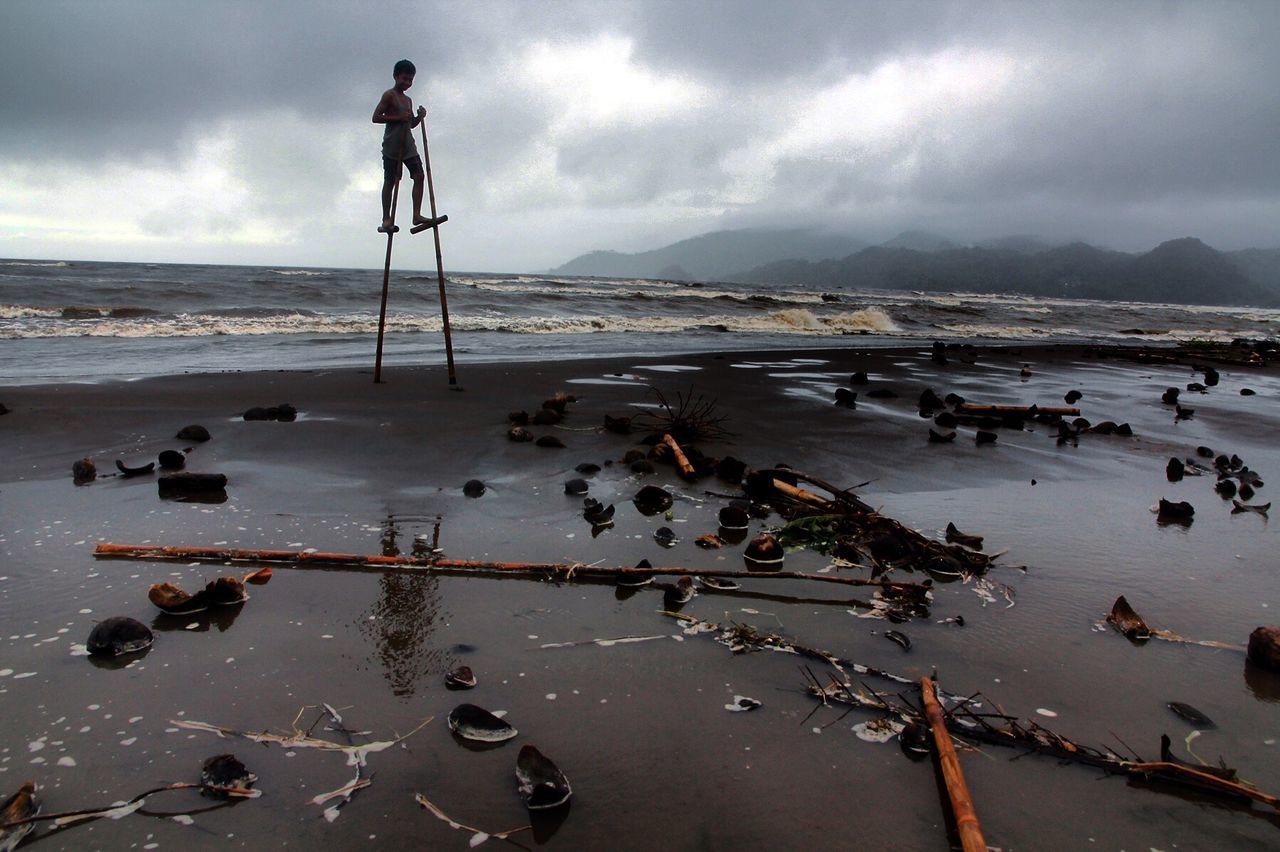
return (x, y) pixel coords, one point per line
(967, 825)
(1025, 410)
(682, 461)
(1127, 621)
(305, 559)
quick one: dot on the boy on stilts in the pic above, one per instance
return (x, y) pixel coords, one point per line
(395, 110)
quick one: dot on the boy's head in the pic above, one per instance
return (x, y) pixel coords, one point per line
(404, 66)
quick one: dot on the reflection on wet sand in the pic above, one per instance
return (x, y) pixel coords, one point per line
(400, 623)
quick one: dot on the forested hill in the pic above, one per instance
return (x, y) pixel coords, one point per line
(1183, 271)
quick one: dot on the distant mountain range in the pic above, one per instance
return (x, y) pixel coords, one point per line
(1184, 271)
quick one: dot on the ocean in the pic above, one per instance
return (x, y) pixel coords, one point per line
(93, 321)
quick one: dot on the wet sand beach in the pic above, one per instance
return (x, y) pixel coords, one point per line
(640, 728)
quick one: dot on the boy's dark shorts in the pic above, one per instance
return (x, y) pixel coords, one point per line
(391, 168)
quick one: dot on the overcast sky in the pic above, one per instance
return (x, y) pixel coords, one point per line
(228, 132)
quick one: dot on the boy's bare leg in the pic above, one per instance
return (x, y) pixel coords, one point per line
(387, 188)
(418, 218)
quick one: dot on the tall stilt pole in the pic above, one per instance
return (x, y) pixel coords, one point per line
(444, 300)
(386, 271)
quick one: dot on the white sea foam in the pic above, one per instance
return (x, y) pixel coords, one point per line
(54, 263)
(309, 273)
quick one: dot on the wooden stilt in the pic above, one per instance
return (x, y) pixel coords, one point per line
(435, 231)
(386, 271)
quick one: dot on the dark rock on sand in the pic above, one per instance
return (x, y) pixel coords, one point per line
(519, 434)
(1170, 396)
(4, 409)
(1245, 491)
(286, 413)
(946, 420)
(518, 418)
(479, 725)
(1072, 397)
(1174, 470)
(84, 470)
(858, 378)
(549, 441)
(1196, 387)
(1210, 376)
(1124, 430)
(1264, 647)
(587, 468)
(846, 397)
(141, 470)
(193, 433)
(763, 553)
(576, 487)
(734, 518)
(1183, 413)
(953, 399)
(460, 677)
(731, 469)
(652, 500)
(547, 417)
(930, 401)
(223, 773)
(473, 488)
(118, 635)
(939, 438)
(666, 537)
(596, 513)
(1247, 391)
(172, 460)
(644, 467)
(540, 782)
(632, 455)
(985, 437)
(1171, 512)
(618, 425)
(1226, 489)
(256, 413)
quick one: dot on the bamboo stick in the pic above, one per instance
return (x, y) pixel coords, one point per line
(299, 558)
(1065, 411)
(682, 461)
(800, 495)
(1176, 771)
(966, 818)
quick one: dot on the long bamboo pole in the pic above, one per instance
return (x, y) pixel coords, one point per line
(444, 300)
(961, 804)
(302, 559)
(386, 270)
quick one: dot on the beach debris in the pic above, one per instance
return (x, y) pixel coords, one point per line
(1127, 621)
(141, 470)
(357, 755)
(1205, 452)
(183, 484)
(666, 537)
(678, 594)
(576, 487)
(734, 518)
(596, 513)
(1170, 396)
(617, 425)
(1191, 714)
(1211, 376)
(643, 467)
(939, 438)
(546, 417)
(731, 469)
(1226, 488)
(540, 782)
(284, 412)
(1072, 397)
(690, 420)
(223, 775)
(173, 600)
(473, 488)
(587, 468)
(846, 397)
(946, 420)
(118, 635)
(914, 739)
(966, 819)
(652, 500)
(957, 620)
(479, 725)
(259, 577)
(899, 639)
(683, 464)
(1181, 413)
(944, 567)
(518, 418)
(954, 535)
(172, 460)
(194, 432)
(930, 401)
(1240, 507)
(879, 730)
(549, 441)
(743, 704)
(1169, 512)
(763, 553)
(858, 378)
(1247, 392)
(1175, 469)
(1264, 647)
(984, 437)
(1022, 411)
(20, 806)
(478, 835)
(710, 541)
(84, 470)
(939, 353)
(717, 584)
(633, 580)
(460, 677)
(519, 434)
